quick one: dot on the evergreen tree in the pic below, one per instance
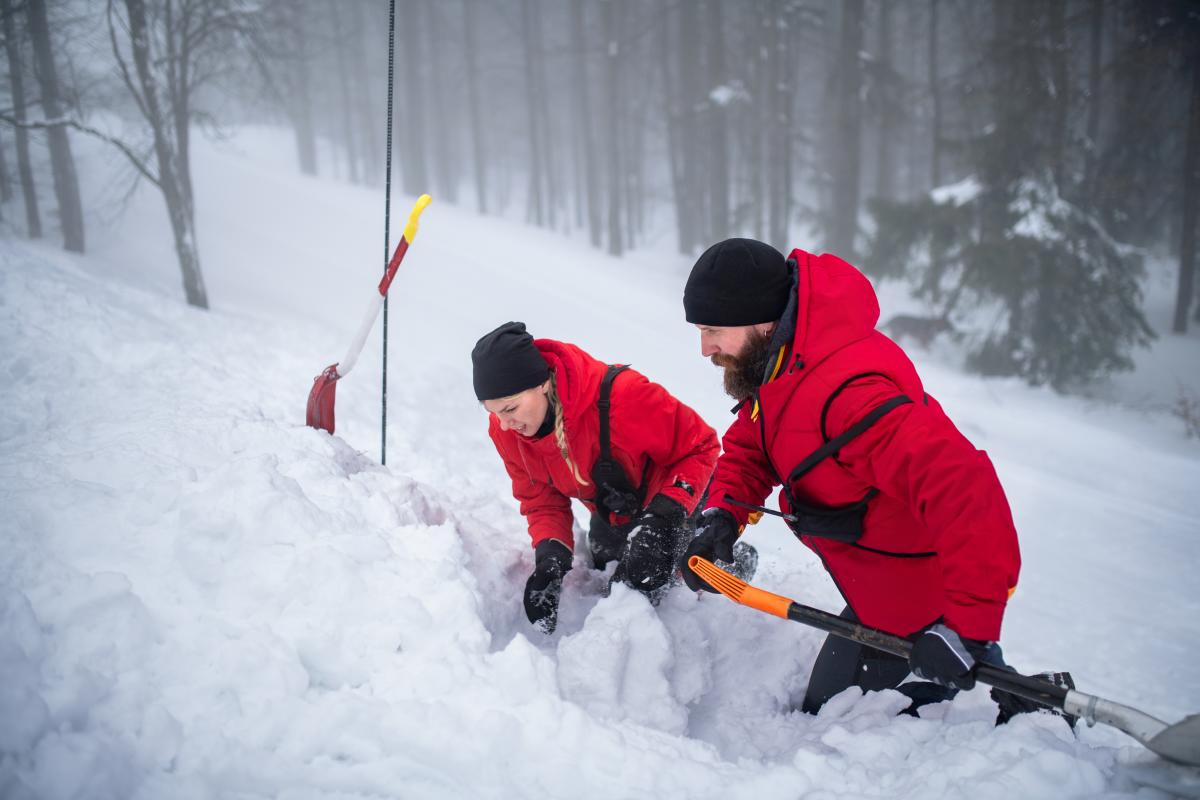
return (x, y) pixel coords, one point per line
(1065, 297)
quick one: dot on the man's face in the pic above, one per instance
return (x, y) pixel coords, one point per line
(740, 351)
(717, 342)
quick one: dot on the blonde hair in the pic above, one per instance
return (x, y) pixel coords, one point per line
(560, 432)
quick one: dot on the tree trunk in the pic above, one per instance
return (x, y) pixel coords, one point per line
(33, 219)
(1095, 65)
(446, 130)
(302, 116)
(689, 204)
(62, 163)
(340, 44)
(368, 122)
(6, 192)
(1059, 74)
(477, 143)
(844, 224)
(612, 80)
(1191, 202)
(671, 113)
(179, 57)
(586, 141)
(410, 108)
(536, 205)
(718, 141)
(541, 104)
(935, 93)
(182, 226)
(779, 159)
(884, 170)
(756, 129)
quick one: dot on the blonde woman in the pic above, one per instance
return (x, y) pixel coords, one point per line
(543, 399)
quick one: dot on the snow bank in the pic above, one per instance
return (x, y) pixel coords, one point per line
(200, 597)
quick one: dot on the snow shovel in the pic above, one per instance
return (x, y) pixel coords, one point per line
(320, 399)
(1179, 742)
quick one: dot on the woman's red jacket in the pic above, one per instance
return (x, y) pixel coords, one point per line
(649, 430)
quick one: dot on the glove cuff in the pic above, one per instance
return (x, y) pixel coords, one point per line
(552, 550)
(721, 521)
(668, 509)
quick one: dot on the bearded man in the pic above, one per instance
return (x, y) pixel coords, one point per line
(908, 518)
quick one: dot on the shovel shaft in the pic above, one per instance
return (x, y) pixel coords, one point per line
(410, 233)
(1013, 682)
(372, 313)
(1178, 742)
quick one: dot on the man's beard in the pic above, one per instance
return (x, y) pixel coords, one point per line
(744, 372)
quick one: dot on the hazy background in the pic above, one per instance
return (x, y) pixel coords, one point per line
(1062, 138)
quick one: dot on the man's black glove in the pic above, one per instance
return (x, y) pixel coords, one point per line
(716, 534)
(650, 557)
(942, 656)
(552, 560)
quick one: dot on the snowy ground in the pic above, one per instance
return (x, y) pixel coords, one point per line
(200, 597)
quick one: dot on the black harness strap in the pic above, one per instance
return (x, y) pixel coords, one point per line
(615, 493)
(604, 404)
(833, 446)
(842, 523)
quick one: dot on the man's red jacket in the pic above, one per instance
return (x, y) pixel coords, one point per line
(938, 539)
(648, 430)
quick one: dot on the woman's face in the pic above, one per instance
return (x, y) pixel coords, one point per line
(523, 412)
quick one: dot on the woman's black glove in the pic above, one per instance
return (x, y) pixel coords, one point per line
(942, 656)
(552, 560)
(716, 534)
(650, 557)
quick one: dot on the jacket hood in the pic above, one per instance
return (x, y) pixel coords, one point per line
(576, 374)
(836, 306)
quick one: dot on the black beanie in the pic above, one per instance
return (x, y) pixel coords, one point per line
(737, 282)
(505, 362)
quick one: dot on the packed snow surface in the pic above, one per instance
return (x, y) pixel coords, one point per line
(201, 597)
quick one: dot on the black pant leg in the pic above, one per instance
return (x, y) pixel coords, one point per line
(843, 663)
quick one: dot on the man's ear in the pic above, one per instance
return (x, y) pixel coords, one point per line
(767, 328)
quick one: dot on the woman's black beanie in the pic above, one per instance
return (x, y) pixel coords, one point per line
(737, 282)
(505, 362)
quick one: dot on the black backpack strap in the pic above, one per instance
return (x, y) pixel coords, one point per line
(608, 476)
(604, 404)
(833, 446)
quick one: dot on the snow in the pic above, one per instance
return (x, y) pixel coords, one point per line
(959, 193)
(200, 597)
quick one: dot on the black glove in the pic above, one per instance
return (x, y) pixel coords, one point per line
(650, 557)
(552, 560)
(942, 656)
(715, 536)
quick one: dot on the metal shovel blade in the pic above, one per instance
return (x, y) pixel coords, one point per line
(320, 399)
(1179, 742)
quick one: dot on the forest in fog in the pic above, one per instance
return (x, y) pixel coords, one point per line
(1015, 162)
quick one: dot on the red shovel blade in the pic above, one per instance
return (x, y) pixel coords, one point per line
(320, 399)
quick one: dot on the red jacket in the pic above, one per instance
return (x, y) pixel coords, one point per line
(938, 540)
(646, 426)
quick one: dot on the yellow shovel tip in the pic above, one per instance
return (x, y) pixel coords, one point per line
(410, 230)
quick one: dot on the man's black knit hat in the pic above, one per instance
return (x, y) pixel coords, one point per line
(737, 282)
(505, 362)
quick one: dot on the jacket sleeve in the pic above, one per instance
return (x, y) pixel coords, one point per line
(915, 453)
(648, 420)
(546, 510)
(743, 472)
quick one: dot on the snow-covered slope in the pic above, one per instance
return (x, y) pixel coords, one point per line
(200, 597)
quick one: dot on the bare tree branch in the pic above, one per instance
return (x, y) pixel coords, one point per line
(42, 124)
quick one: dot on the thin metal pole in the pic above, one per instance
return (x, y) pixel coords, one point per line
(387, 218)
